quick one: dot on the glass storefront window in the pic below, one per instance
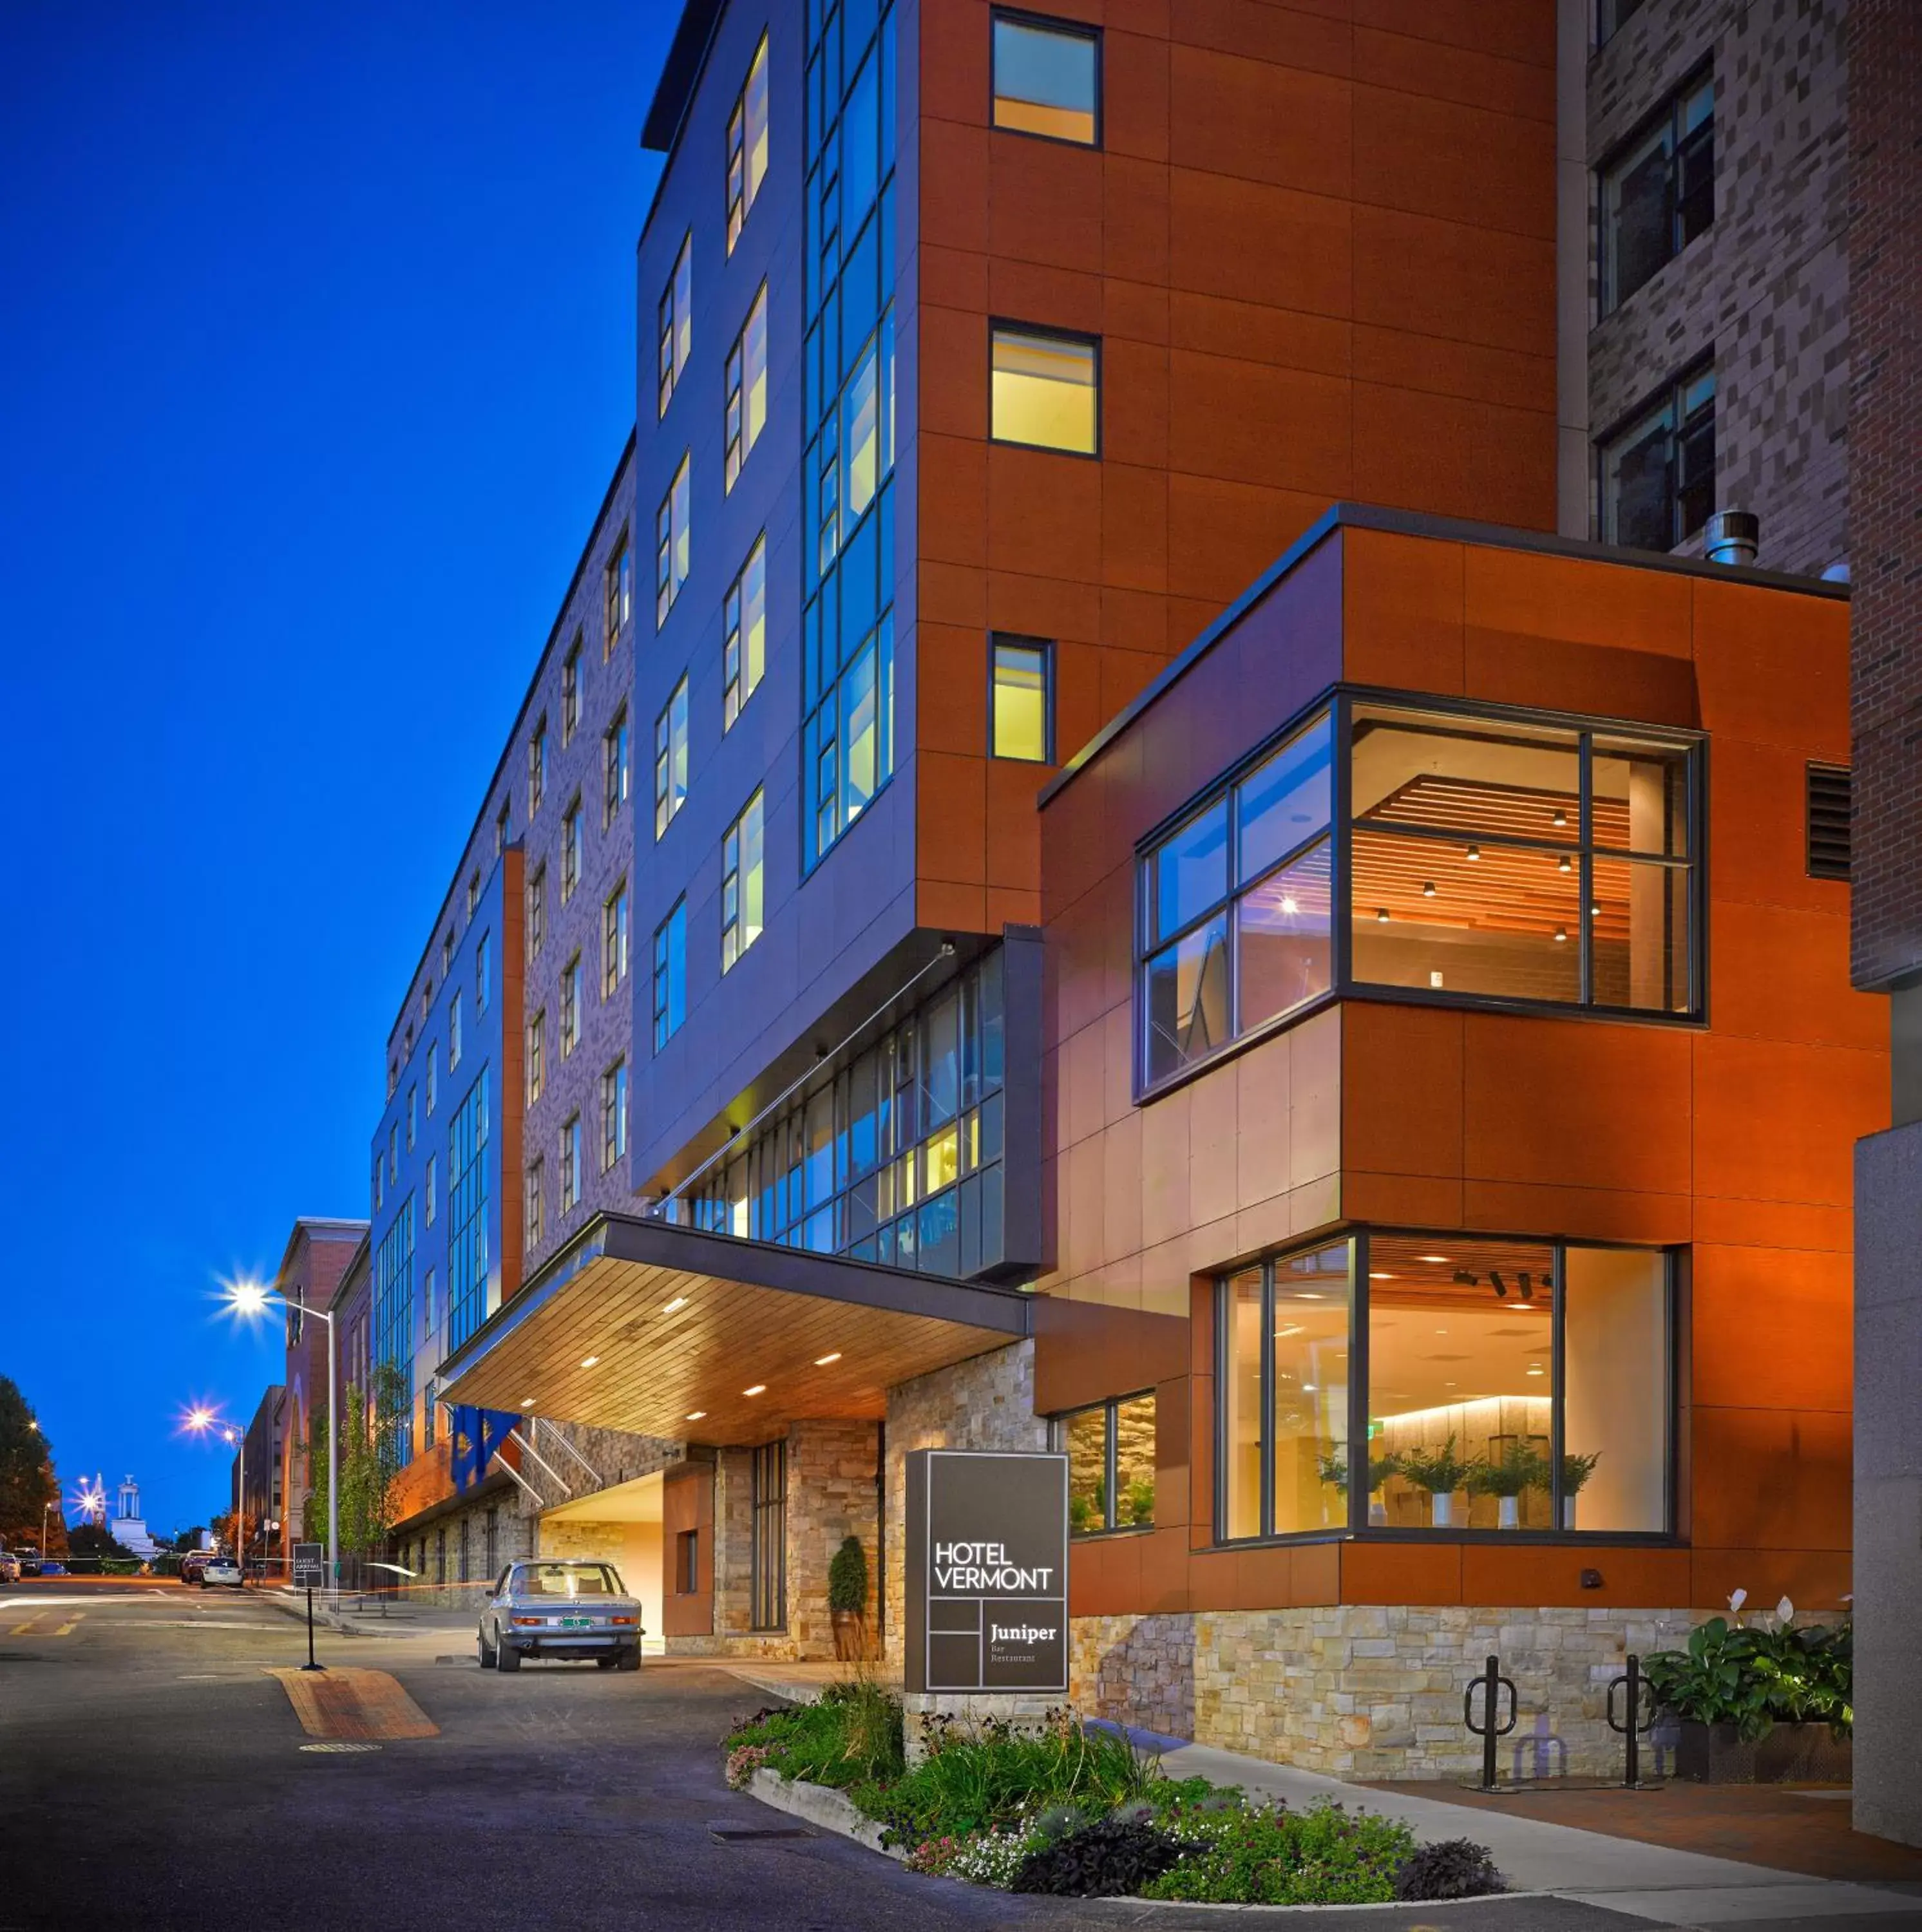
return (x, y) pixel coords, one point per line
(1111, 1449)
(1513, 1385)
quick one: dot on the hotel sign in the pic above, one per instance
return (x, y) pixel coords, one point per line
(987, 1571)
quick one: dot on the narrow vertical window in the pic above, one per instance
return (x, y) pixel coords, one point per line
(672, 546)
(533, 1204)
(614, 1115)
(744, 633)
(741, 883)
(613, 793)
(414, 1095)
(671, 759)
(537, 911)
(433, 1078)
(1021, 704)
(502, 825)
(1658, 473)
(536, 1054)
(617, 595)
(570, 850)
(1045, 390)
(677, 323)
(536, 771)
(670, 974)
(613, 940)
(570, 693)
(570, 1006)
(1658, 192)
(746, 389)
(570, 1164)
(454, 1034)
(747, 145)
(432, 1188)
(1047, 79)
(483, 972)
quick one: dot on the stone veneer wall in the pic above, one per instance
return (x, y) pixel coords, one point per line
(1371, 1691)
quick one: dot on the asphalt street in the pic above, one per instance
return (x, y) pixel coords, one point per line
(154, 1774)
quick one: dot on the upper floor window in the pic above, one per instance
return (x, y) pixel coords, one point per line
(613, 761)
(570, 1164)
(570, 692)
(473, 895)
(537, 768)
(433, 1078)
(614, 1115)
(1658, 472)
(747, 145)
(1045, 389)
(671, 974)
(536, 1055)
(501, 824)
(1611, 16)
(1658, 192)
(447, 954)
(1486, 857)
(483, 972)
(433, 1188)
(677, 323)
(670, 545)
(1110, 1450)
(744, 633)
(570, 850)
(532, 1204)
(1047, 79)
(454, 1033)
(393, 1154)
(742, 884)
(746, 389)
(1020, 712)
(413, 1096)
(617, 595)
(671, 759)
(613, 940)
(537, 911)
(570, 1006)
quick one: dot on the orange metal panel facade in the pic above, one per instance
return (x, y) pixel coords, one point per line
(1727, 1140)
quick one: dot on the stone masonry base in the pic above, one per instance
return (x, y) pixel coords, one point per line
(1371, 1691)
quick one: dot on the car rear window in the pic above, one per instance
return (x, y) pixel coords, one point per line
(566, 1579)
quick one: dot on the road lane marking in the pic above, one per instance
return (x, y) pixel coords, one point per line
(355, 1704)
(67, 1628)
(27, 1628)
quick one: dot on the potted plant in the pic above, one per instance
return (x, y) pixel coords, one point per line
(1441, 1472)
(847, 1598)
(1576, 1470)
(1335, 1472)
(1521, 1467)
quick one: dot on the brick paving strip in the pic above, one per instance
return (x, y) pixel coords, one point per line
(365, 1705)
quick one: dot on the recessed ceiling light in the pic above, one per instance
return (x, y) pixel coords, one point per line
(1427, 889)
(588, 1361)
(1381, 914)
(1440, 1261)
(696, 1415)
(821, 1361)
(1474, 852)
(1378, 1274)
(1561, 935)
(1536, 1368)
(759, 1388)
(1309, 1294)
(679, 1301)
(529, 1403)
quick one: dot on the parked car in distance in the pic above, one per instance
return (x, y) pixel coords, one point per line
(193, 1565)
(9, 1567)
(52, 1566)
(29, 1566)
(222, 1572)
(567, 1609)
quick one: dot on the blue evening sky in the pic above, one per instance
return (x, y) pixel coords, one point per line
(316, 352)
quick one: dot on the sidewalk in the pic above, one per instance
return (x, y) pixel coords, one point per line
(366, 1616)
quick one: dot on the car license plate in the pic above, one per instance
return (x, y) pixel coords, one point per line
(577, 1623)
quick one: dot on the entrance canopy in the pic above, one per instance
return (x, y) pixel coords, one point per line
(661, 1331)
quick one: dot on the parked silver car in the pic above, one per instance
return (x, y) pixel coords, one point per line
(576, 1609)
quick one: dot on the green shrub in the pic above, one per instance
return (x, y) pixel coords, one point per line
(1252, 1855)
(1755, 1679)
(847, 1576)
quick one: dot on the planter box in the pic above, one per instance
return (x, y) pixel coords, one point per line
(1790, 1754)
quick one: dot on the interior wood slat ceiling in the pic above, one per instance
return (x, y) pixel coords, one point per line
(654, 1368)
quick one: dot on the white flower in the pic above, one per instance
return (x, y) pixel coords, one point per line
(1784, 1612)
(1737, 1598)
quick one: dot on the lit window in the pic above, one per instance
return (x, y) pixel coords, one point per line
(570, 1006)
(1658, 474)
(860, 434)
(670, 545)
(570, 1164)
(747, 145)
(613, 941)
(570, 693)
(1047, 79)
(536, 773)
(454, 1034)
(1046, 391)
(744, 629)
(677, 323)
(1110, 1451)
(536, 1055)
(741, 883)
(570, 850)
(670, 974)
(614, 1115)
(1020, 714)
(533, 1203)
(1657, 194)
(483, 972)
(618, 594)
(614, 763)
(671, 759)
(746, 389)
(537, 912)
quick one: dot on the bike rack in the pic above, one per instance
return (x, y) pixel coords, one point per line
(1493, 1684)
(1636, 1726)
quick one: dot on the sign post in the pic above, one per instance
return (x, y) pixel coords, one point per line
(987, 1572)
(308, 1574)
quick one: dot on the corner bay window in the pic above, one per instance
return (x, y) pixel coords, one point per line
(1482, 858)
(1110, 1451)
(1510, 1385)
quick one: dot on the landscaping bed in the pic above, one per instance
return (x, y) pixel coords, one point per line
(1079, 1811)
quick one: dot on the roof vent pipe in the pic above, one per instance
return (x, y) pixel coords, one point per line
(1733, 536)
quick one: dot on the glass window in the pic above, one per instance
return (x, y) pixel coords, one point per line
(1657, 193)
(744, 634)
(1020, 711)
(618, 596)
(433, 1078)
(570, 1006)
(746, 389)
(1658, 473)
(614, 761)
(767, 1508)
(454, 1033)
(1610, 16)
(536, 911)
(1110, 1451)
(614, 1114)
(1616, 1323)
(570, 1164)
(1285, 801)
(1046, 391)
(431, 1190)
(1283, 954)
(536, 1055)
(469, 1278)
(1187, 999)
(483, 984)
(536, 774)
(671, 759)
(613, 940)
(532, 1201)
(1190, 870)
(747, 145)
(1047, 79)
(860, 434)
(742, 883)
(670, 974)
(570, 850)
(677, 323)
(671, 549)
(570, 693)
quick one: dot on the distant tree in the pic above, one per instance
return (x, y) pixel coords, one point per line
(93, 1539)
(371, 1460)
(27, 1480)
(313, 1505)
(189, 1539)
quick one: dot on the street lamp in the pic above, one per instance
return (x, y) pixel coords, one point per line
(231, 1436)
(43, 1508)
(249, 1298)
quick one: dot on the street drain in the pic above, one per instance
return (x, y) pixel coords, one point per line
(733, 1834)
(340, 1745)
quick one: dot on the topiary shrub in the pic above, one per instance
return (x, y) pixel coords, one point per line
(1108, 1859)
(847, 1576)
(1454, 1868)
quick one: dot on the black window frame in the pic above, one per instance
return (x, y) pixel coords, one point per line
(1341, 702)
(1108, 1407)
(1047, 23)
(1672, 399)
(1358, 1527)
(1689, 175)
(767, 1539)
(1013, 326)
(1044, 649)
(687, 1562)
